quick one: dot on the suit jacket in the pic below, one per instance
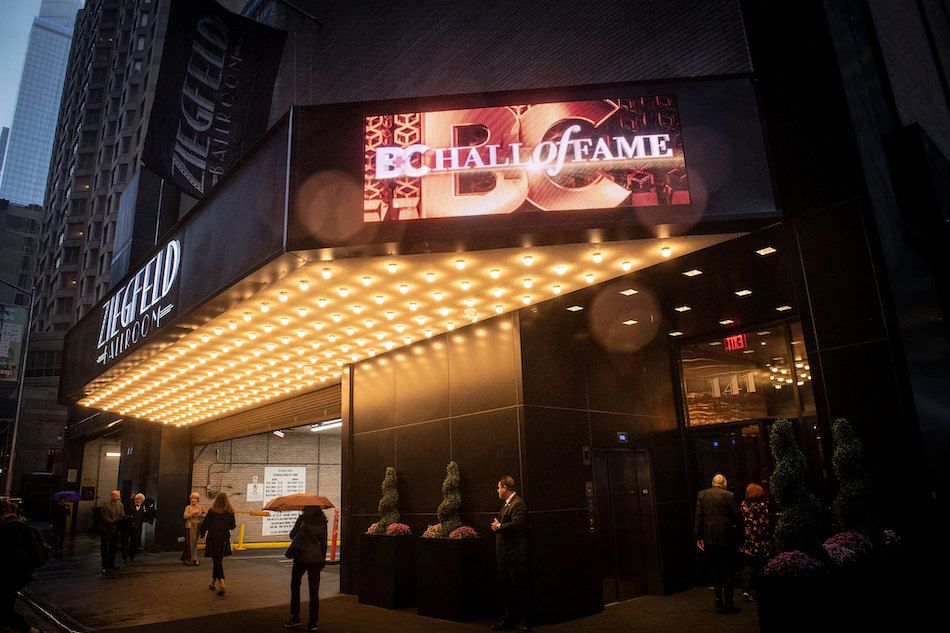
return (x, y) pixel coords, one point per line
(111, 513)
(718, 521)
(144, 514)
(511, 539)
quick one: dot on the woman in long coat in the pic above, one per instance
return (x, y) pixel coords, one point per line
(310, 538)
(217, 525)
(193, 515)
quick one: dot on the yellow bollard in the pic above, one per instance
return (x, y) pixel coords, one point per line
(240, 544)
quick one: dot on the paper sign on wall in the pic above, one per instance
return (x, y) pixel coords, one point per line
(280, 481)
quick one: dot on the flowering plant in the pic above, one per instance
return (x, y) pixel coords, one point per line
(847, 548)
(372, 529)
(793, 563)
(398, 529)
(432, 531)
(463, 532)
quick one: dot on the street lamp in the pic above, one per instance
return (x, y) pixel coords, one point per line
(8, 484)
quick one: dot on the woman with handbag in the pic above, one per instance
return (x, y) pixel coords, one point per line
(308, 550)
(193, 516)
(218, 525)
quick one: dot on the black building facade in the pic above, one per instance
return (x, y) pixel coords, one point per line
(805, 272)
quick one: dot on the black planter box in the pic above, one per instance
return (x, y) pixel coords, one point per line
(453, 579)
(792, 603)
(387, 571)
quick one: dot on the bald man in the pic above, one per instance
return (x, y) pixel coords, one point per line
(718, 530)
(110, 518)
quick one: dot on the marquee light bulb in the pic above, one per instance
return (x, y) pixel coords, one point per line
(449, 325)
(302, 311)
(403, 288)
(192, 345)
(332, 338)
(390, 315)
(444, 311)
(589, 277)
(413, 306)
(284, 339)
(350, 331)
(469, 302)
(421, 320)
(304, 286)
(205, 338)
(361, 342)
(597, 257)
(265, 307)
(232, 325)
(430, 277)
(495, 273)
(322, 302)
(526, 299)
(626, 266)
(527, 282)
(665, 251)
(357, 309)
(326, 273)
(400, 328)
(368, 323)
(282, 296)
(267, 328)
(437, 296)
(460, 264)
(391, 267)
(344, 292)
(301, 333)
(284, 320)
(556, 288)
(499, 308)
(528, 260)
(218, 331)
(337, 318)
(318, 326)
(497, 292)
(428, 333)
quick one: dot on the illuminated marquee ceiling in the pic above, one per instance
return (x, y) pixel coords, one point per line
(299, 332)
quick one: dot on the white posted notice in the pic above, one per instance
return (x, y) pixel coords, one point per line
(280, 481)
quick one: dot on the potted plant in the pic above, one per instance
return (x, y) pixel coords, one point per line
(453, 574)
(793, 587)
(387, 571)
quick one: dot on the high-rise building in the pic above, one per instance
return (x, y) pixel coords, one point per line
(34, 120)
(103, 116)
(4, 137)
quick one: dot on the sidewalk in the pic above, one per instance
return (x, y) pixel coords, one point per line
(157, 594)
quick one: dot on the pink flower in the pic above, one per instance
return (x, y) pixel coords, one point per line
(398, 529)
(463, 532)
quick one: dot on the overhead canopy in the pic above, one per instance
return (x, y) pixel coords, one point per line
(356, 229)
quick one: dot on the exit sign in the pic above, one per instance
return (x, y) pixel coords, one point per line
(737, 341)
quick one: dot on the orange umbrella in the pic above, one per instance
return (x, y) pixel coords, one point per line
(298, 502)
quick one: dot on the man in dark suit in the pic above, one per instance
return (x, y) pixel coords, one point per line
(110, 521)
(511, 550)
(139, 513)
(718, 531)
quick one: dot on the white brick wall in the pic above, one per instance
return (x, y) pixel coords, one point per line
(229, 466)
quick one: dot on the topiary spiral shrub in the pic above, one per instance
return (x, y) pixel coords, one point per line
(853, 506)
(388, 504)
(798, 523)
(451, 501)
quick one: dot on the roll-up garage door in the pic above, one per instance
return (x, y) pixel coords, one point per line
(308, 408)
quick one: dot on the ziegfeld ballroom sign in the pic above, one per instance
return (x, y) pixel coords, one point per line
(141, 306)
(575, 155)
(213, 95)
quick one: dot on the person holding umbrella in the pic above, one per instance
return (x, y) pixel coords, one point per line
(57, 523)
(308, 544)
(218, 524)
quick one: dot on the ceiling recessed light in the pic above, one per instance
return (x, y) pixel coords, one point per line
(715, 343)
(665, 251)
(763, 333)
(629, 292)
(629, 322)
(693, 273)
(575, 309)
(676, 333)
(597, 257)
(726, 322)
(682, 308)
(743, 293)
(783, 308)
(768, 250)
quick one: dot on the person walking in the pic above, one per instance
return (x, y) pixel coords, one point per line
(757, 541)
(511, 550)
(718, 526)
(57, 523)
(194, 514)
(110, 522)
(309, 539)
(218, 524)
(139, 513)
(16, 567)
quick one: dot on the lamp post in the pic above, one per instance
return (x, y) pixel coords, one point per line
(8, 483)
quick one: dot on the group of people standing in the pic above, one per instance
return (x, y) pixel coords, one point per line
(121, 530)
(724, 528)
(308, 549)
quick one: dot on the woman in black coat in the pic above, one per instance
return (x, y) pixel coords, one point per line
(309, 538)
(218, 524)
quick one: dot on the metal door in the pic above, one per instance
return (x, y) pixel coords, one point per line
(626, 523)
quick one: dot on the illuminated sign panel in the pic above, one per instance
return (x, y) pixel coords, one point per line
(567, 156)
(736, 342)
(138, 307)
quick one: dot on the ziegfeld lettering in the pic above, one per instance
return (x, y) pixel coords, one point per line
(209, 93)
(553, 156)
(138, 308)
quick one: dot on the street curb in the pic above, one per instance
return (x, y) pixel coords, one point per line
(62, 622)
